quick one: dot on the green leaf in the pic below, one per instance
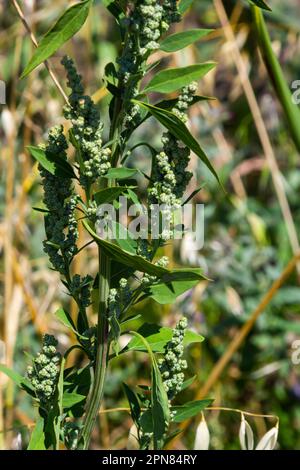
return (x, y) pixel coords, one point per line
(123, 238)
(37, 439)
(66, 26)
(180, 131)
(277, 77)
(55, 166)
(158, 337)
(135, 261)
(71, 399)
(138, 263)
(189, 410)
(188, 382)
(66, 319)
(19, 380)
(260, 4)
(171, 80)
(121, 173)
(159, 399)
(167, 293)
(108, 195)
(146, 422)
(184, 5)
(133, 403)
(178, 41)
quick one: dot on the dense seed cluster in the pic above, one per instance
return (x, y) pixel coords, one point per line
(118, 298)
(146, 22)
(86, 127)
(184, 101)
(80, 289)
(172, 365)
(60, 200)
(149, 15)
(170, 174)
(170, 12)
(147, 279)
(44, 372)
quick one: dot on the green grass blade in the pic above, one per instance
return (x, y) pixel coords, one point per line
(292, 112)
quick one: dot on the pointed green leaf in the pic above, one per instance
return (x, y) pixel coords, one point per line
(178, 41)
(71, 399)
(167, 293)
(159, 399)
(121, 173)
(124, 238)
(171, 80)
(260, 4)
(189, 410)
(138, 263)
(17, 378)
(56, 166)
(37, 439)
(66, 26)
(66, 319)
(176, 127)
(184, 5)
(188, 382)
(133, 403)
(117, 254)
(158, 337)
(108, 195)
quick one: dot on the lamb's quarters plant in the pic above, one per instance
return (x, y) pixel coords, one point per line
(68, 399)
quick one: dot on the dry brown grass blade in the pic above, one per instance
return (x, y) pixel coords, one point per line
(240, 336)
(260, 126)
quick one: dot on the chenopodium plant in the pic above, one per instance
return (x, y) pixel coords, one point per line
(75, 190)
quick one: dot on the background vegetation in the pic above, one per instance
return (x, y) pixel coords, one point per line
(250, 234)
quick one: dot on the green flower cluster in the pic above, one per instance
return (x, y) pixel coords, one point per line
(118, 298)
(170, 12)
(87, 128)
(172, 365)
(44, 372)
(146, 22)
(169, 172)
(147, 279)
(60, 200)
(80, 289)
(185, 99)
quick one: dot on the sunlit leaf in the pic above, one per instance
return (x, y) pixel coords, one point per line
(56, 166)
(171, 80)
(176, 127)
(178, 41)
(189, 410)
(66, 26)
(37, 438)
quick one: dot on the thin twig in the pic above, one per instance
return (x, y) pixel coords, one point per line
(33, 39)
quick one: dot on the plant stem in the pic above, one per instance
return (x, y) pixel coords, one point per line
(276, 75)
(102, 351)
(102, 355)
